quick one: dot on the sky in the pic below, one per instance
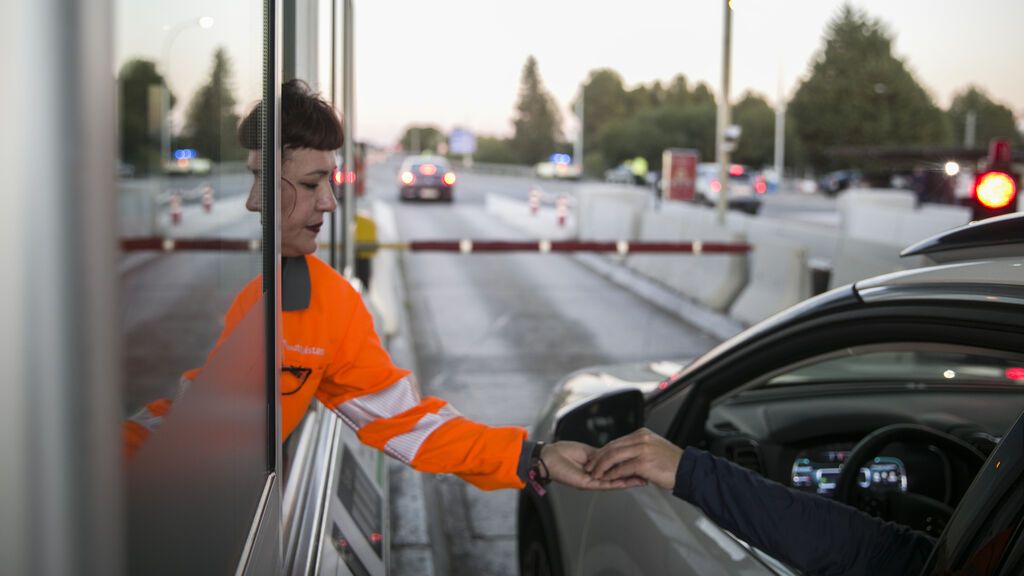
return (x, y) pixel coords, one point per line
(458, 62)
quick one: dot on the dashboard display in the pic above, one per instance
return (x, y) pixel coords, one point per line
(818, 469)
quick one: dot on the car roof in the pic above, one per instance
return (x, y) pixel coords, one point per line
(425, 159)
(982, 261)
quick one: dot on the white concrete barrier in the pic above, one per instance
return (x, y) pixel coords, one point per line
(610, 211)
(779, 278)
(713, 280)
(858, 259)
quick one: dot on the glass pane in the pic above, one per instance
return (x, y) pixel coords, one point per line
(196, 426)
(909, 363)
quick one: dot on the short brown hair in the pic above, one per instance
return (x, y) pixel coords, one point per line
(307, 121)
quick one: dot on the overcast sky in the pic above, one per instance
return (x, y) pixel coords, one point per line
(458, 62)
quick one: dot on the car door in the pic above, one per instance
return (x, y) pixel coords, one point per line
(641, 531)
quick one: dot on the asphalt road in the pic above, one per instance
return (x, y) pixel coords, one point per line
(493, 333)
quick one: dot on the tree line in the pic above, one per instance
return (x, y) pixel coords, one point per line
(210, 121)
(856, 93)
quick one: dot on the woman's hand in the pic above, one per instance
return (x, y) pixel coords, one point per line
(642, 454)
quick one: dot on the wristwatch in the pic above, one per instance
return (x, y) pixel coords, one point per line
(538, 475)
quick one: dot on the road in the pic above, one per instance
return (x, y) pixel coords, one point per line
(494, 333)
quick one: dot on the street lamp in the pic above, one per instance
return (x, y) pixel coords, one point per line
(171, 34)
(724, 114)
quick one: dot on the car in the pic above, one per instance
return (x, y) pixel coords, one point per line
(426, 178)
(558, 167)
(835, 182)
(745, 187)
(620, 174)
(888, 394)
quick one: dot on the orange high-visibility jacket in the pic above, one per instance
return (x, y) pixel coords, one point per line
(331, 351)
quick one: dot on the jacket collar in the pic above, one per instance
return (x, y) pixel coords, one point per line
(295, 284)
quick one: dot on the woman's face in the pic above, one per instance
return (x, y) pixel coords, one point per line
(306, 195)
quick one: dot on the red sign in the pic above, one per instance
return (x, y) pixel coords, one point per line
(679, 174)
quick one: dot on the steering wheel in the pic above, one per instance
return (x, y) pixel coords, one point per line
(915, 510)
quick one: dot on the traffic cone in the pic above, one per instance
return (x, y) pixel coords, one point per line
(176, 208)
(207, 198)
(563, 210)
(534, 201)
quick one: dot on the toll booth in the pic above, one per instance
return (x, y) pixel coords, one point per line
(679, 174)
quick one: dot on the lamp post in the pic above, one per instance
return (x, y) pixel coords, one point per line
(172, 33)
(724, 114)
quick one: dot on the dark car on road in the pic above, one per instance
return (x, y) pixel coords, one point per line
(426, 178)
(900, 395)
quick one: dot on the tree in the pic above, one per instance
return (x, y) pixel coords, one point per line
(211, 121)
(858, 93)
(756, 146)
(992, 120)
(141, 89)
(604, 101)
(422, 138)
(538, 122)
(494, 150)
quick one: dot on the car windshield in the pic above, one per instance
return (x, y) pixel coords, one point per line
(912, 364)
(414, 163)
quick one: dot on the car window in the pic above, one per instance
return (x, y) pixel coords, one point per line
(907, 363)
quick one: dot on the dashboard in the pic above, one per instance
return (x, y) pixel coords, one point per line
(817, 469)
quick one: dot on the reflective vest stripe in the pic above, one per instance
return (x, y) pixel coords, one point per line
(145, 418)
(393, 400)
(404, 447)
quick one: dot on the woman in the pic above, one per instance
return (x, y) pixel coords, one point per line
(330, 350)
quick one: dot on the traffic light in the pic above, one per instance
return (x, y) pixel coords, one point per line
(995, 188)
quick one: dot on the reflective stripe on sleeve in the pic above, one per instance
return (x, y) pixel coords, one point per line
(405, 446)
(147, 419)
(393, 400)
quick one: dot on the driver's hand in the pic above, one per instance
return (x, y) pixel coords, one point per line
(642, 454)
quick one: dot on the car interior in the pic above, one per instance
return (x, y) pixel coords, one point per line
(931, 413)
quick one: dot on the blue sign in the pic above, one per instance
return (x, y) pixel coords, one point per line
(185, 154)
(461, 142)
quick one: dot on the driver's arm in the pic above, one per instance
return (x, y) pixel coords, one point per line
(810, 533)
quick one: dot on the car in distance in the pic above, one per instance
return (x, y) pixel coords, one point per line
(558, 167)
(901, 395)
(745, 187)
(426, 178)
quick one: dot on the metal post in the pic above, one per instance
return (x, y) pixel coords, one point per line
(350, 204)
(332, 219)
(578, 147)
(724, 114)
(970, 128)
(780, 136)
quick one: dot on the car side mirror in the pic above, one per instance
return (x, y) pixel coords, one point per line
(601, 420)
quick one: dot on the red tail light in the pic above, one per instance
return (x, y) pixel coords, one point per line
(407, 178)
(760, 185)
(350, 176)
(995, 189)
(336, 177)
(428, 169)
(735, 170)
(716, 186)
(449, 178)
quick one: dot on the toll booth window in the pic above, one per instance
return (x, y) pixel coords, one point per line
(193, 324)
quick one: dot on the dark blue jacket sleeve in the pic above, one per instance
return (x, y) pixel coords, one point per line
(810, 533)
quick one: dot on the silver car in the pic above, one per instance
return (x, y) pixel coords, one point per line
(879, 378)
